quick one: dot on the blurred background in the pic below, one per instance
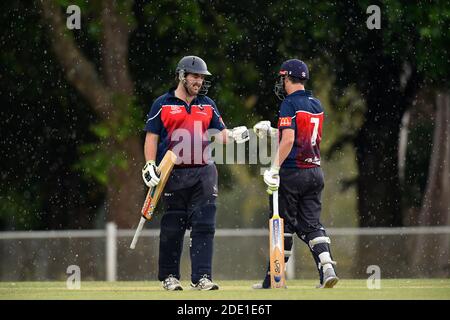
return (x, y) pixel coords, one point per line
(74, 104)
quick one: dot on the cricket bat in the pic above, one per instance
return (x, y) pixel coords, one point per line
(276, 229)
(154, 193)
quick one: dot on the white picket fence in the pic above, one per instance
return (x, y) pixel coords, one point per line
(111, 234)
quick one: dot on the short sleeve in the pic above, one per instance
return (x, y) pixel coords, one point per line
(286, 120)
(216, 120)
(154, 123)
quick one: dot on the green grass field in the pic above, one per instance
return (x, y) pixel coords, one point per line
(236, 290)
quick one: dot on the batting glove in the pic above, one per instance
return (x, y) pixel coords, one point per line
(272, 179)
(150, 174)
(264, 128)
(239, 134)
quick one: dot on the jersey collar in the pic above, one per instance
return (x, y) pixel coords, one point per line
(171, 95)
(305, 93)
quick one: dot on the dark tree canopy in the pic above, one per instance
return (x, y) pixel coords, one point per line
(59, 142)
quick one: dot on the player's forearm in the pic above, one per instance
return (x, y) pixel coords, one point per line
(284, 149)
(238, 134)
(150, 146)
(222, 137)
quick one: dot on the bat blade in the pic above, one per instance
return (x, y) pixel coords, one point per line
(154, 193)
(276, 238)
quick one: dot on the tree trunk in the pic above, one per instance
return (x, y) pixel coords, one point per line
(379, 193)
(79, 71)
(432, 252)
(125, 191)
(377, 146)
(108, 97)
(378, 182)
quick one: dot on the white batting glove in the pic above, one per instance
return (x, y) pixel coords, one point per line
(272, 179)
(264, 128)
(239, 134)
(150, 174)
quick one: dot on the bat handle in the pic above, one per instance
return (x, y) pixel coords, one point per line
(137, 233)
(275, 202)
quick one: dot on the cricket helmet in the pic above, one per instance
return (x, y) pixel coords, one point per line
(193, 64)
(295, 68)
(292, 68)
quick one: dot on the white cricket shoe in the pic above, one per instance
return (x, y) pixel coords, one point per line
(204, 284)
(172, 284)
(329, 279)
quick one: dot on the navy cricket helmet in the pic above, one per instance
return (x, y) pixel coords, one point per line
(295, 68)
(292, 68)
(193, 64)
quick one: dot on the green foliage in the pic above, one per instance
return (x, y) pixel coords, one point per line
(98, 158)
(19, 209)
(42, 121)
(243, 44)
(96, 162)
(124, 9)
(189, 12)
(84, 5)
(418, 32)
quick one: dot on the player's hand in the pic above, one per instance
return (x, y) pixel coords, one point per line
(150, 174)
(272, 179)
(264, 128)
(239, 134)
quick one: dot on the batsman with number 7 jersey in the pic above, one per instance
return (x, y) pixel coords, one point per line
(296, 171)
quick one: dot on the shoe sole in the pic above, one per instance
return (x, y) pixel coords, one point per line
(214, 288)
(258, 288)
(176, 289)
(330, 283)
(209, 289)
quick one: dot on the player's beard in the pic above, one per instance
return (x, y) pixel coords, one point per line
(193, 88)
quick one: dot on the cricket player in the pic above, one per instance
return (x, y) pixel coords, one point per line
(182, 116)
(296, 172)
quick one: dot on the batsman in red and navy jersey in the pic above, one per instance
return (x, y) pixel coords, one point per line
(296, 172)
(303, 113)
(181, 121)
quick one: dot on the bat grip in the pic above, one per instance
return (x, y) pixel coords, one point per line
(137, 233)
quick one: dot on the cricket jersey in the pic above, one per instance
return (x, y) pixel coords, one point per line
(303, 113)
(183, 127)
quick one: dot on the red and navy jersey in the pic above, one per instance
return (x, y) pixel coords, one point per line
(177, 122)
(303, 113)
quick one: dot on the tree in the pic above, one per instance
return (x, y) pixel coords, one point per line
(42, 123)
(436, 202)
(110, 93)
(388, 67)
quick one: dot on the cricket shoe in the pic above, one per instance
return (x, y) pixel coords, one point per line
(204, 284)
(263, 285)
(260, 286)
(172, 284)
(329, 279)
